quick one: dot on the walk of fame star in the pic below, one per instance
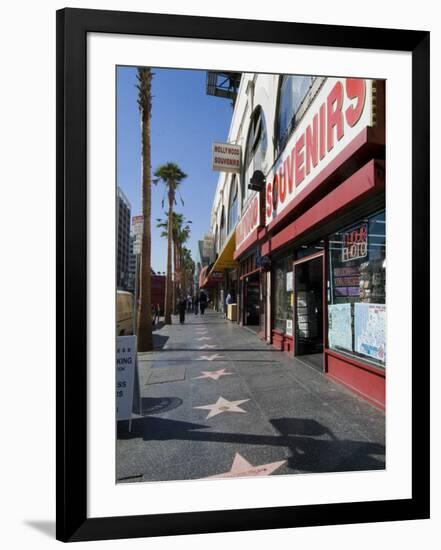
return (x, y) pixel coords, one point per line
(209, 357)
(214, 374)
(242, 468)
(223, 405)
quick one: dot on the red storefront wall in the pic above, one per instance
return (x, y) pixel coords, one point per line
(368, 381)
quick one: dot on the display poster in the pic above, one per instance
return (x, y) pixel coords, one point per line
(340, 326)
(289, 327)
(289, 281)
(346, 281)
(370, 330)
(125, 376)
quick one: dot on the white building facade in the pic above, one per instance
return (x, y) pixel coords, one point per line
(303, 253)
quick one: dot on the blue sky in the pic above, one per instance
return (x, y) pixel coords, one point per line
(185, 122)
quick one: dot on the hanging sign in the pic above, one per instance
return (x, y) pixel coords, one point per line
(226, 157)
(125, 376)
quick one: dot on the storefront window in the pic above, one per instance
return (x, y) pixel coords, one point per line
(357, 290)
(223, 228)
(283, 295)
(293, 90)
(232, 210)
(255, 150)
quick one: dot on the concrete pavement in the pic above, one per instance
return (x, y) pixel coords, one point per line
(217, 401)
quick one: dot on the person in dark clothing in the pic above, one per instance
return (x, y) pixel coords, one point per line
(182, 305)
(156, 313)
(196, 304)
(203, 302)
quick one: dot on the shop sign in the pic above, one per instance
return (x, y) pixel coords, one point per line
(341, 108)
(249, 221)
(226, 157)
(125, 375)
(355, 243)
(216, 275)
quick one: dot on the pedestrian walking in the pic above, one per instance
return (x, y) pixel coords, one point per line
(228, 301)
(156, 313)
(182, 304)
(203, 302)
(196, 304)
(189, 303)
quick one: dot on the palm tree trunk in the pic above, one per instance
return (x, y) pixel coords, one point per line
(175, 271)
(144, 321)
(168, 284)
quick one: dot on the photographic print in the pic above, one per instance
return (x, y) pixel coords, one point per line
(251, 274)
(242, 274)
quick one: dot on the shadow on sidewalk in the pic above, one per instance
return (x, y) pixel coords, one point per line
(159, 341)
(313, 446)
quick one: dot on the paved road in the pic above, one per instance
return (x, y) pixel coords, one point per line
(219, 402)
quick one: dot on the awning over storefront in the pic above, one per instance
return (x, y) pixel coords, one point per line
(213, 274)
(225, 259)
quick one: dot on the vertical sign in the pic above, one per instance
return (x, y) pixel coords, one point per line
(125, 375)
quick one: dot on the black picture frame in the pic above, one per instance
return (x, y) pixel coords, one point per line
(71, 428)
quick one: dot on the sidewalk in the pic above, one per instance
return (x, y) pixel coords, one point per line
(218, 401)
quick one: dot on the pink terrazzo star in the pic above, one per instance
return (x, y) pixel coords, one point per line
(242, 468)
(214, 374)
(223, 405)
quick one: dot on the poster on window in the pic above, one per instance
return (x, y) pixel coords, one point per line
(370, 330)
(289, 327)
(289, 281)
(340, 326)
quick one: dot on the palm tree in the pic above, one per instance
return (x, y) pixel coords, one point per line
(187, 267)
(144, 316)
(180, 235)
(171, 175)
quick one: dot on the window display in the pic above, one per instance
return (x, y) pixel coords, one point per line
(357, 289)
(283, 295)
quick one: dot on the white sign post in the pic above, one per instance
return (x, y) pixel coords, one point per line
(125, 376)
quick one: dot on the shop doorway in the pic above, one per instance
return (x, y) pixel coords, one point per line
(308, 310)
(252, 301)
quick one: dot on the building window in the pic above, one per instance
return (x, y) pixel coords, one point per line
(216, 243)
(293, 90)
(283, 294)
(255, 151)
(232, 208)
(357, 290)
(222, 229)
